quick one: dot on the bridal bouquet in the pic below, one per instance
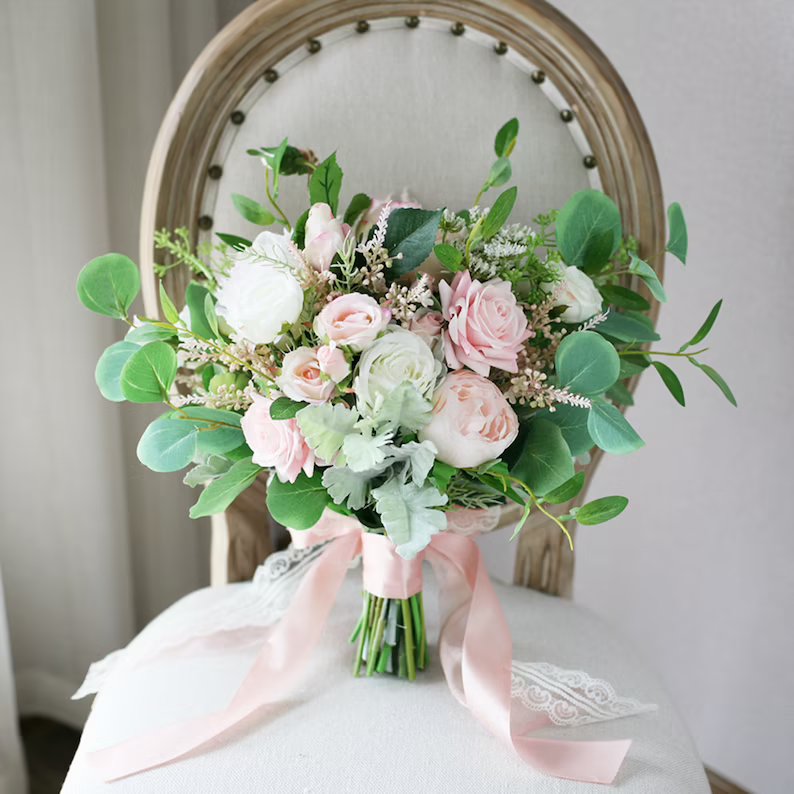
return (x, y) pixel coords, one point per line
(411, 370)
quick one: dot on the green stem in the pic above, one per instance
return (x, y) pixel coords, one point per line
(363, 636)
(275, 203)
(660, 353)
(409, 640)
(537, 502)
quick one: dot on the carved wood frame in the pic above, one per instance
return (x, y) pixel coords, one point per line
(265, 33)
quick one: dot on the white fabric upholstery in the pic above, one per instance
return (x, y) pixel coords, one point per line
(340, 734)
(415, 109)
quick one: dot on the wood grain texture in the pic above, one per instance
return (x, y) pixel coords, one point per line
(269, 30)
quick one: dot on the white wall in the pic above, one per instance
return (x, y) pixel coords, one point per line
(698, 570)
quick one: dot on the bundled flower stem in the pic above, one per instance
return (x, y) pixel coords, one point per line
(392, 637)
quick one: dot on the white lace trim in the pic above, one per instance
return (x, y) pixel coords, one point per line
(570, 697)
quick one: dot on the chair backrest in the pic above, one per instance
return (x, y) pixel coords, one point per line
(409, 94)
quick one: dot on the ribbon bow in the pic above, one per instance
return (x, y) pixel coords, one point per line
(475, 649)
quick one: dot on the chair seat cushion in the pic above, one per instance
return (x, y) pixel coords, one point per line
(340, 734)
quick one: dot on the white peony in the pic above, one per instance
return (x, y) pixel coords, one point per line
(396, 357)
(260, 295)
(576, 291)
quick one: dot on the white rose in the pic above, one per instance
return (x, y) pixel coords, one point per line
(257, 298)
(396, 357)
(274, 249)
(576, 291)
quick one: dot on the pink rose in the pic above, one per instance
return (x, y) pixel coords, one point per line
(487, 328)
(376, 207)
(333, 363)
(324, 236)
(471, 421)
(428, 326)
(353, 320)
(301, 377)
(276, 443)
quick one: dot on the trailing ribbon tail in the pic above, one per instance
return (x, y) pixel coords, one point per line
(277, 669)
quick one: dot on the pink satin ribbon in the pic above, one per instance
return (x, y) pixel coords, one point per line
(475, 647)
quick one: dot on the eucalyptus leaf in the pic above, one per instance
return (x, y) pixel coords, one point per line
(167, 445)
(716, 378)
(586, 363)
(634, 365)
(299, 504)
(545, 461)
(670, 379)
(108, 285)
(220, 493)
(499, 213)
(359, 204)
(449, 256)
(620, 394)
(108, 369)
(623, 297)
(252, 210)
(170, 311)
(572, 421)
(567, 491)
(284, 408)
(648, 275)
(627, 329)
(679, 241)
(325, 183)
(610, 430)
(145, 333)
(506, 138)
(600, 510)
(148, 374)
(704, 329)
(411, 233)
(210, 316)
(589, 230)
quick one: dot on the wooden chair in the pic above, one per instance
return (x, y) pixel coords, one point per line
(410, 95)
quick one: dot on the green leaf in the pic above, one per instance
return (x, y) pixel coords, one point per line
(500, 173)
(506, 138)
(600, 510)
(409, 515)
(412, 233)
(715, 376)
(648, 275)
(207, 471)
(441, 474)
(252, 210)
(679, 241)
(359, 204)
(220, 493)
(567, 491)
(545, 461)
(610, 431)
(167, 445)
(202, 415)
(629, 367)
(670, 379)
(326, 426)
(108, 370)
(499, 213)
(346, 486)
(589, 230)
(299, 504)
(572, 421)
(169, 310)
(449, 256)
(273, 156)
(624, 298)
(238, 243)
(620, 394)
(586, 363)
(143, 334)
(627, 329)
(404, 407)
(284, 408)
(704, 329)
(196, 299)
(325, 183)
(210, 316)
(299, 234)
(108, 285)
(149, 373)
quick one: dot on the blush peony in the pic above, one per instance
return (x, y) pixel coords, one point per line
(276, 443)
(486, 326)
(353, 320)
(301, 377)
(471, 421)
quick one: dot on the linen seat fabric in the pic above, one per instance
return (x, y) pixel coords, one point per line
(341, 734)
